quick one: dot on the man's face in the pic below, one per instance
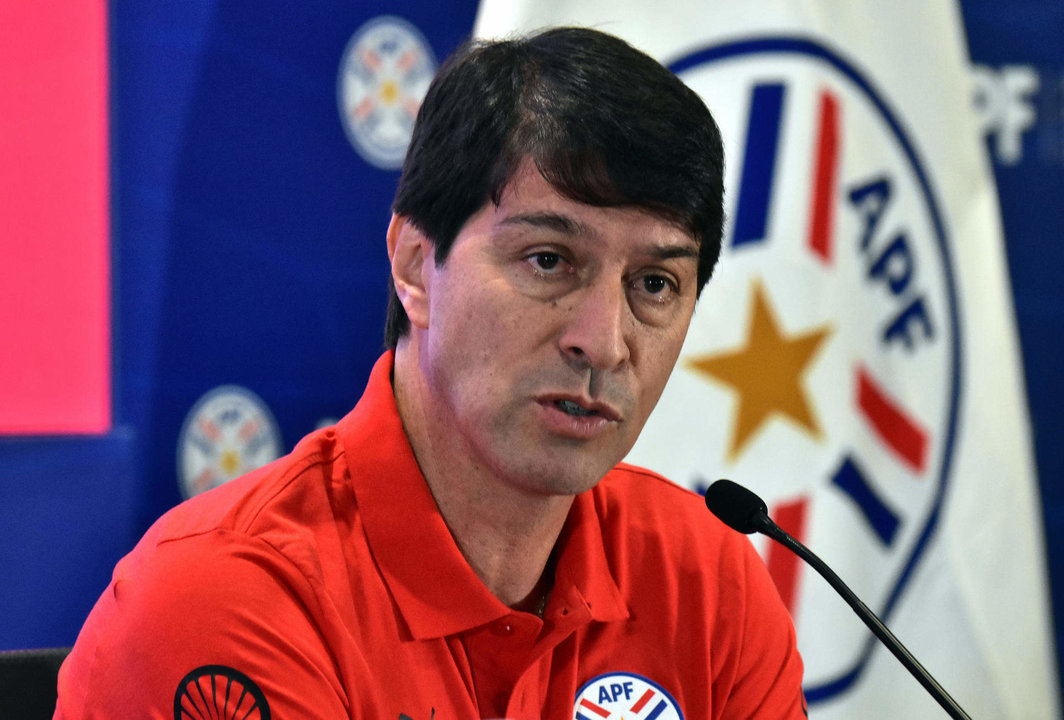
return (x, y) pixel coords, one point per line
(552, 328)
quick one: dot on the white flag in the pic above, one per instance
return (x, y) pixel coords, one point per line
(854, 360)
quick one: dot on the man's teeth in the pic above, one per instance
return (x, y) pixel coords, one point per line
(571, 408)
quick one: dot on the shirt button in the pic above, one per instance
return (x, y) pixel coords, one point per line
(503, 628)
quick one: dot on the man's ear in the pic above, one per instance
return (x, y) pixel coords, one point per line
(407, 249)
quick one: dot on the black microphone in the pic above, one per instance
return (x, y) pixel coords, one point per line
(742, 510)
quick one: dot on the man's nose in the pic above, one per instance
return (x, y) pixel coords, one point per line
(596, 332)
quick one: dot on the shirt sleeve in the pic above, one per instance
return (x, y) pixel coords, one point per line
(767, 680)
(213, 625)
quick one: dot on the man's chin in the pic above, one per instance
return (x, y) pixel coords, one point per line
(564, 477)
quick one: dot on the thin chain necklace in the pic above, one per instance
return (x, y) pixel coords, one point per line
(541, 604)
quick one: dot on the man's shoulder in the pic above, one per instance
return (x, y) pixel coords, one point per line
(624, 474)
(645, 501)
(279, 494)
(654, 528)
(642, 489)
(212, 581)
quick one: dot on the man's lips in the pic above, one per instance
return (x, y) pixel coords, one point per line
(580, 406)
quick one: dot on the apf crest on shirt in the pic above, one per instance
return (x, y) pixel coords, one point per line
(624, 696)
(822, 368)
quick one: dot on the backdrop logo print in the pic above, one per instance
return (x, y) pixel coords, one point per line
(228, 432)
(823, 363)
(384, 74)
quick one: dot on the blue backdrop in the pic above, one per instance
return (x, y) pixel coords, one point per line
(248, 249)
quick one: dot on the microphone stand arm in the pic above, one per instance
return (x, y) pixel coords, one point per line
(766, 526)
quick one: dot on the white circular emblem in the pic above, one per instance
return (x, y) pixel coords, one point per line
(822, 366)
(227, 433)
(624, 696)
(384, 74)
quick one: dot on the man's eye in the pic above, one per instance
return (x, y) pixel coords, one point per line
(546, 260)
(659, 287)
(655, 284)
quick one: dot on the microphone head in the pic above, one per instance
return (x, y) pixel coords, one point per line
(737, 507)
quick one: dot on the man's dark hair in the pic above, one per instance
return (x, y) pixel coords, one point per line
(604, 123)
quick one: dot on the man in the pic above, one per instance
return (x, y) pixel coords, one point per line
(464, 543)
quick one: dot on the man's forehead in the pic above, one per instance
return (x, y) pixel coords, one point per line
(529, 200)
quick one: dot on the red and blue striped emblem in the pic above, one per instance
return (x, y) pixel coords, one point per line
(624, 696)
(822, 367)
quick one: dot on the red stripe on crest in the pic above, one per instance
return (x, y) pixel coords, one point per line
(643, 700)
(594, 708)
(783, 565)
(891, 423)
(822, 210)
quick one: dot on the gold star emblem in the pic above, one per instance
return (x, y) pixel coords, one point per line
(766, 373)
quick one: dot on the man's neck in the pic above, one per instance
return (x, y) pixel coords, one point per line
(506, 535)
(507, 541)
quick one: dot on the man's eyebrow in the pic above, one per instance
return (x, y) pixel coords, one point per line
(547, 220)
(569, 226)
(676, 251)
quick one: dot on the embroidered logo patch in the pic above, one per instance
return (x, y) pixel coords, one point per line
(217, 691)
(624, 696)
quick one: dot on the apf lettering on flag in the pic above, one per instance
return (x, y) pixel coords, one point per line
(853, 359)
(823, 362)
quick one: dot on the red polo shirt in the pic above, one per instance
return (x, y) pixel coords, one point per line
(326, 585)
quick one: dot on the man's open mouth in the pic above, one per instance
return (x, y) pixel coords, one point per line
(571, 408)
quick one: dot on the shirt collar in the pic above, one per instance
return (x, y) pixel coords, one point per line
(583, 571)
(436, 591)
